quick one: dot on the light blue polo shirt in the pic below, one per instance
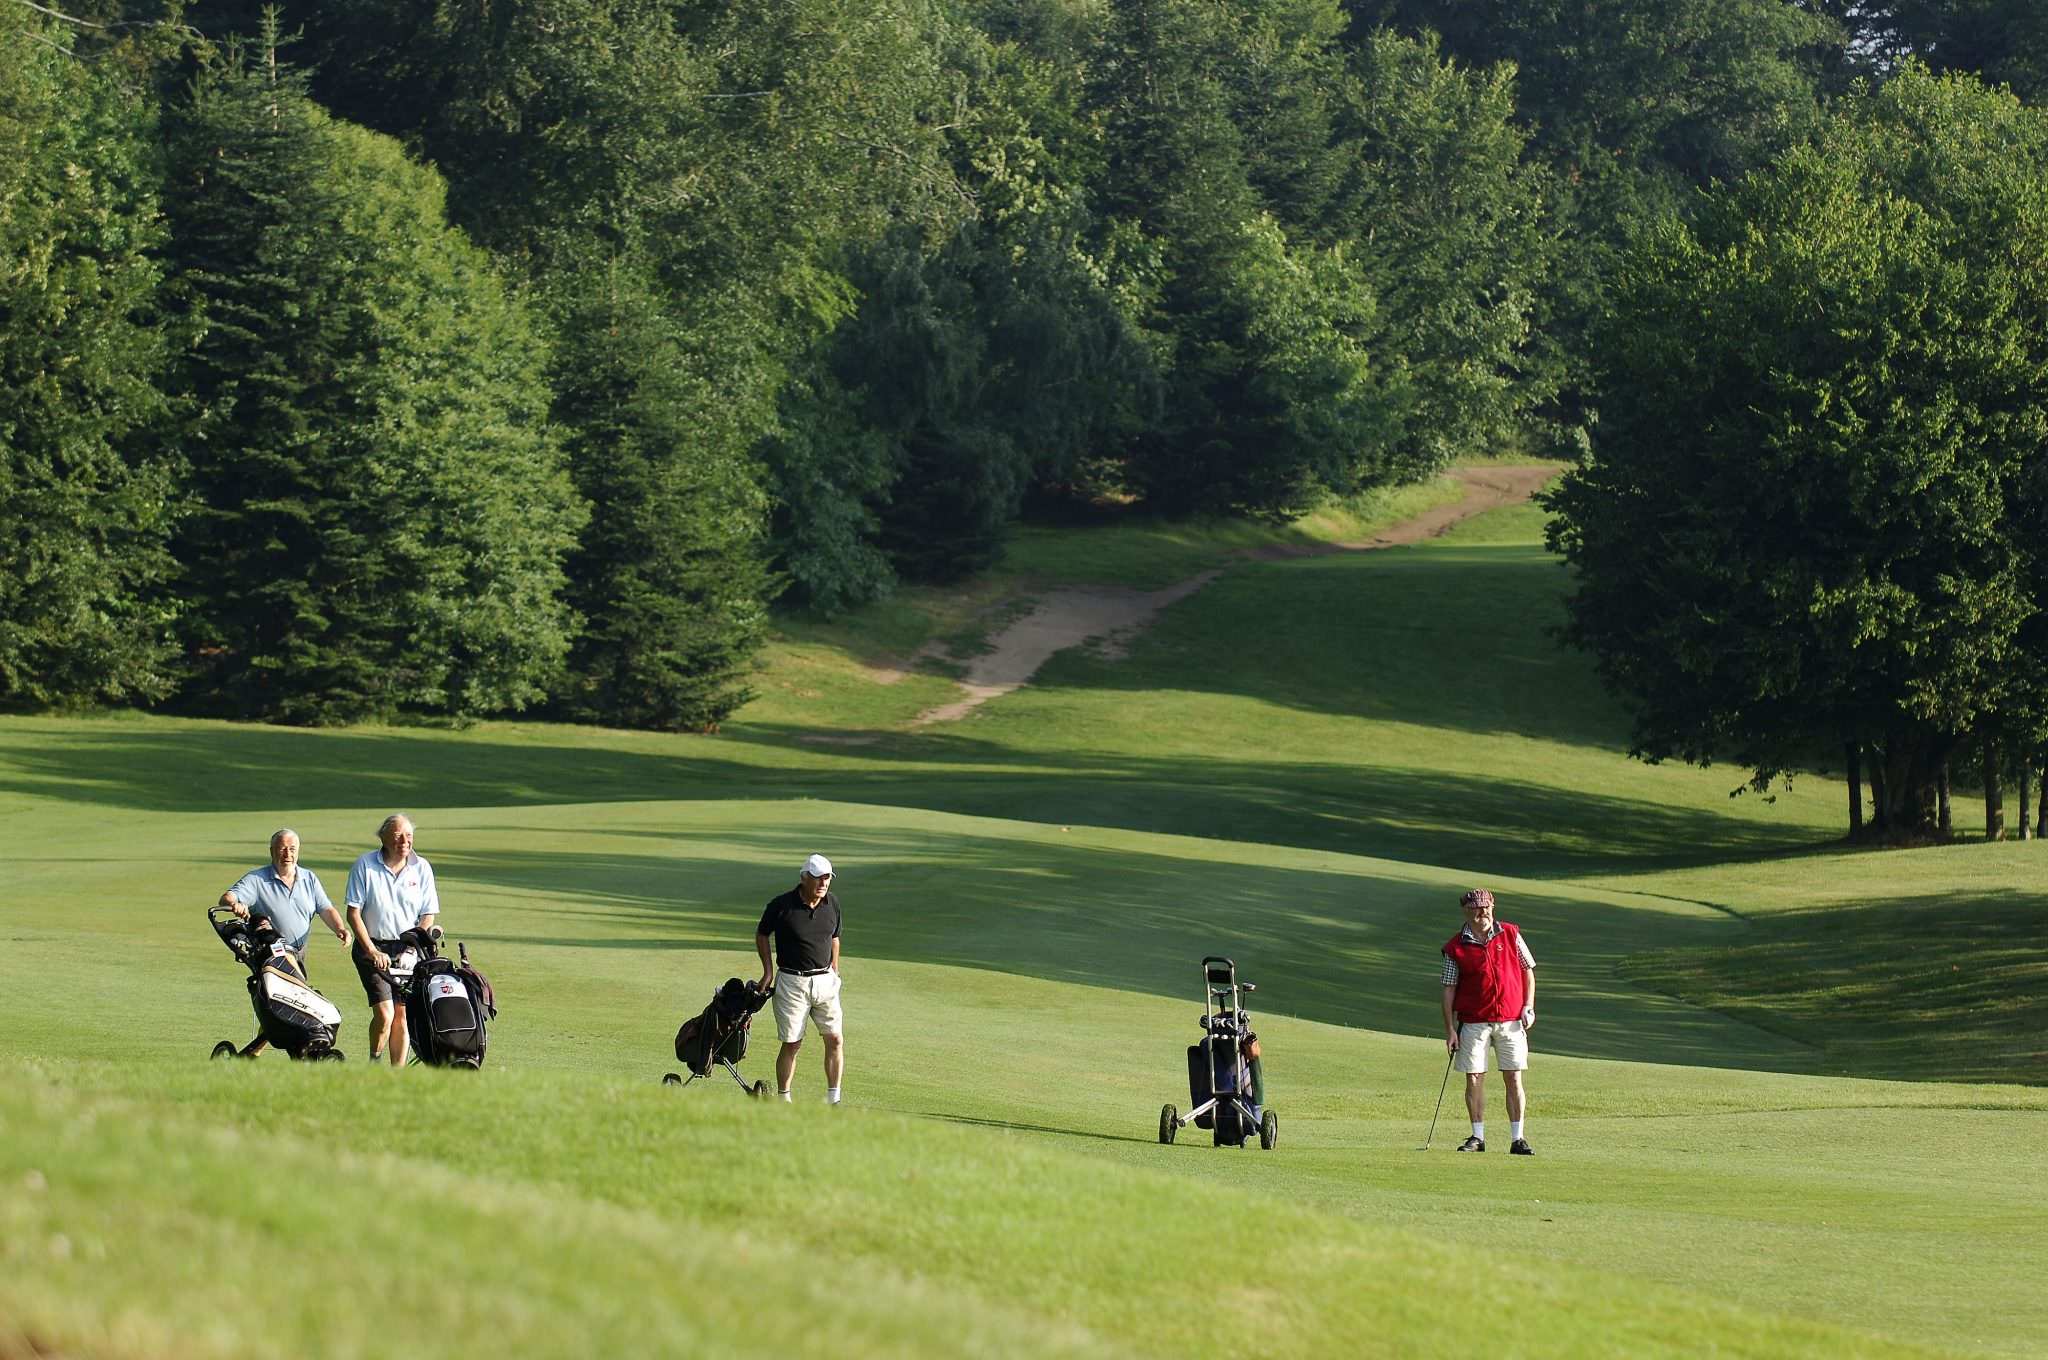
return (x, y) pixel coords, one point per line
(391, 903)
(290, 909)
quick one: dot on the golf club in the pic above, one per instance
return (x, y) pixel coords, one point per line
(1439, 1103)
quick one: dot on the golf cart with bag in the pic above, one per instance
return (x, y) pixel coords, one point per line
(448, 1003)
(1226, 1084)
(717, 1036)
(289, 1014)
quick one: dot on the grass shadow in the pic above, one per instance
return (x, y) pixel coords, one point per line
(1484, 822)
(1335, 946)
(1005, 1124)
(1940, 987)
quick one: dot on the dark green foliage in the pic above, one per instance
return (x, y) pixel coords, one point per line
(829, 471)
(1812, 517)
(678, 181)
(85, 491)
(380, 509)
(1631, 104)
(1450, 224)
(976, 367)
(1261, 339)
(1186, 218)
(2004, 41)
(1691, 90)
(670, 574)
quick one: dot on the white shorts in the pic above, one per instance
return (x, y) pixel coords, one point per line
(1507, 1039)
(798, 999)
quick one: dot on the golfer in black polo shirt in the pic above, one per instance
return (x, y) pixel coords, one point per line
(804, 974)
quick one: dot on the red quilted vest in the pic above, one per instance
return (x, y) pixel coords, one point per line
(1489, 976)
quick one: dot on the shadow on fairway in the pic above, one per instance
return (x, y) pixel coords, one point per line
(1941, 987)
(1456, 637)
(1339, 947)
(1032, 1128)
(1481, 822)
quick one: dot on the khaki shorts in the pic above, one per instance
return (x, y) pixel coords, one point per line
(798, 999)
(1507, 1039)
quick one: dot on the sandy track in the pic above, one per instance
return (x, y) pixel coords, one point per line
(1114, 616)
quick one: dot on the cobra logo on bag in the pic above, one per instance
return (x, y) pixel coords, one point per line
(296, 996)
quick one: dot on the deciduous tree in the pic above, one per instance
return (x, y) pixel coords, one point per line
(1805, 522)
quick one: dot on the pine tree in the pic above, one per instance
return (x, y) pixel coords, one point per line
(85, 502)
(671, 574)
(381, 508)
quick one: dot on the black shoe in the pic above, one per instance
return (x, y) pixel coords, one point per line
(1474, 1144)
(1520, 1148)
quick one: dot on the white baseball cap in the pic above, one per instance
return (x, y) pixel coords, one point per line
(817, 866)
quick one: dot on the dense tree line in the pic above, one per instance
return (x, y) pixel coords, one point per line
(475, 358)
(1816, 512)
(384, 357)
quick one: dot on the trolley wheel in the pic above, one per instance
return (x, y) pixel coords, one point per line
(759, 1090)
(1269, 1130)
(226, 1048)
(336, 1055)
(671, 1079)
(1169, 1123)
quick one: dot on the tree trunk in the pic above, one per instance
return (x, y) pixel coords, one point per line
(1946, 822)
(1994, 794)
(2041, 812)
(2026, 827)
(1911, 767)
(1854, 760)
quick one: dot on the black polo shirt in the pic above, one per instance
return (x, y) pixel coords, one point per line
(803, 935)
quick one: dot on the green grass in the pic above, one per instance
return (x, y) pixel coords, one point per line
(1140, 552)
(1299, 766)
(1149, 554)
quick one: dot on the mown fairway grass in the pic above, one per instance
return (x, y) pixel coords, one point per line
(1299, 767)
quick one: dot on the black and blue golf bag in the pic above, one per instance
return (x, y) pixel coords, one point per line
(448, 1004)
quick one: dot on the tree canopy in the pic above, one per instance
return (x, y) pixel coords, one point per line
(374, 358)
(1812, 516)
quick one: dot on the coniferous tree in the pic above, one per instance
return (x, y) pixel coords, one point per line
(380, 509)
(689, 176)
(85, 499)
(1632, 105)
(1449, 220)
(670, 575)
(1262, 340)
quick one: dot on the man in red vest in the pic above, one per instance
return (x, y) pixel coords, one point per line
(1489, 998)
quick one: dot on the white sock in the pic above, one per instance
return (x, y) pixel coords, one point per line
(784, 1093)
(831, 1095)
(1479, 1129)
(1515, 1130)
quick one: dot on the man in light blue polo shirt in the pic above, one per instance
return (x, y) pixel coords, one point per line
(286, 895)
(390, 890)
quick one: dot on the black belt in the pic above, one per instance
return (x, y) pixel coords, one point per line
(805, 972)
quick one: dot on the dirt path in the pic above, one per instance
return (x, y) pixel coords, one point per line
(1067, 618)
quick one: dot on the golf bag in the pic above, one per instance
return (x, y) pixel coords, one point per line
(718, 1034)
(448, 1004)
(290, 1014)
(1226, 1081)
